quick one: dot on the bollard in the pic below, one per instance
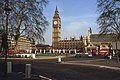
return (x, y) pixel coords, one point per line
(59, 59)
(28, 71)
(9, 67)
(110, 57)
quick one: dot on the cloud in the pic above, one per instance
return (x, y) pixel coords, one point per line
(72, 28)
(77, 26)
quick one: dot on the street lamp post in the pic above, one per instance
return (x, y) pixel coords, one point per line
(5, 33)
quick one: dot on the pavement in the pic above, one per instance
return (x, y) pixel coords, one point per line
(101, 63)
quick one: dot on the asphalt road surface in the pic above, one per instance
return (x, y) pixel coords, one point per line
(57, 71)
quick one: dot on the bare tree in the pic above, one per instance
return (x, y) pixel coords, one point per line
(26, 18)
(109, 19)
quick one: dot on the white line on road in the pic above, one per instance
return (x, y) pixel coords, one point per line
(100, 66)
(43, 77)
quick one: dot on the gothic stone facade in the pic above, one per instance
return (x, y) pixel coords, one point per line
(57, 43)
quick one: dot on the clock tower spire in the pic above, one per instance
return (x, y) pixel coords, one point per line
(56, 24)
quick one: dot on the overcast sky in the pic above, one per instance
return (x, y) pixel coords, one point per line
(76, 17)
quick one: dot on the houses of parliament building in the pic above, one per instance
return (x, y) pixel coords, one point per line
(67, 45)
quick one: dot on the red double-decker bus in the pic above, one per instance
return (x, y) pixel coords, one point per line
(104, 52)
(104, 49)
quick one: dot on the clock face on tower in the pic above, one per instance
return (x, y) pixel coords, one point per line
(55, 22)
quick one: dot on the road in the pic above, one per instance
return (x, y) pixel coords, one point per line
(57, 71)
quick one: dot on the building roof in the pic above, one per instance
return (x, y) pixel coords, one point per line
(103, 38)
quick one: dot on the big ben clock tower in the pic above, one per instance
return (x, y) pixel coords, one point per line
(56, 24)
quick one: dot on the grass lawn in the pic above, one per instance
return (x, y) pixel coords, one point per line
(49, 55)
